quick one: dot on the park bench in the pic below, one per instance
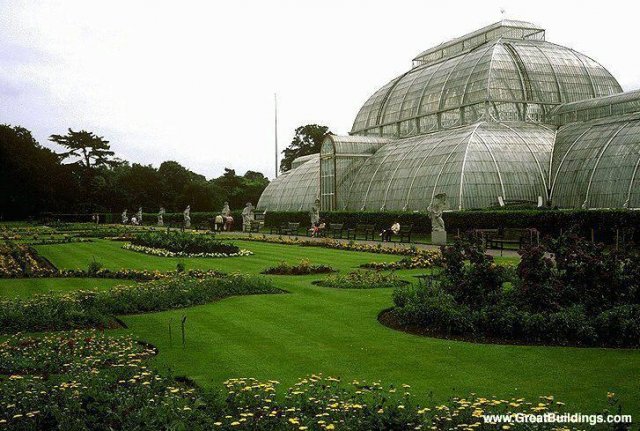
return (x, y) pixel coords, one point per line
(290, 229)
(255, 225)
(279, 229)
(405, 233)
(335, 230)
(365, 230)
(519, 237)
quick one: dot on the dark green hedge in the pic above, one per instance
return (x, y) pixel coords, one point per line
(603, 222)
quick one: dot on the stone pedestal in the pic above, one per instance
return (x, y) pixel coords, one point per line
(439, 237)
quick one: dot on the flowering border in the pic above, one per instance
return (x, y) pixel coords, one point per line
(166, 253)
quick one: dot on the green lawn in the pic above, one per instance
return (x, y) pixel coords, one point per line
(314, 329)
(17, 287)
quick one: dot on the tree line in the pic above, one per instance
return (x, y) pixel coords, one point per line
(86, 177)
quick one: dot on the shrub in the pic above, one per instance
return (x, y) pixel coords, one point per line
(180, 267)
(303, 268)
(433, 308)
(587, 296)
(620, 326)
(473, 285)
(537, 286)
(362, 280)
(94, 268)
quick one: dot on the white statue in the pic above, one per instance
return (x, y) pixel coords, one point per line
(314, 213)
(187, 217)
(161, 217)
(226, 211)
(247, 217)
(435, 209)
(125, 219)
(140, 215)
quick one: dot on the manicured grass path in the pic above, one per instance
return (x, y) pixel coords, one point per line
(335, 332)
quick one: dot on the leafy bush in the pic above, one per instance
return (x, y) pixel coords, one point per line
(586, 296)
(474, 285)
(94, 308)
(620, 326)
(183, 242)
(431, 307)
(180, 267)
(94, 267)
(362, 280)
(303, 268)
(537, 288)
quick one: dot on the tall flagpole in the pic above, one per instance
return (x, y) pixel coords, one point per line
(275, 103)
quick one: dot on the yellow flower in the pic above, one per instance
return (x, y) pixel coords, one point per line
(331, 427)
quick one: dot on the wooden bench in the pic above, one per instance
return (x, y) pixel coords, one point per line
(365, 230)
(519, 237)
(405, 233)
(290, 229)
(255, 225)
(335, 230)
(279, 229)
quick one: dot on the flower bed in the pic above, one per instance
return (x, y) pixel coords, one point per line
(362, 280)
(166, 253)
(342, 245)
(86, 380)
(19, 260)
(425, 259)
(184, 244)
(54, 241)
(303, 268)
(95, 308)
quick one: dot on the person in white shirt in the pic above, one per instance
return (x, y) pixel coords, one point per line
(394, 230)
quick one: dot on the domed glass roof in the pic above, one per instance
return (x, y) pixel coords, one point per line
(504, 72)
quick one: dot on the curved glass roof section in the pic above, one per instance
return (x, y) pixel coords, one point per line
(596, 164)
(508, 73)
(473, 165)
(591, 109)
(295, 190)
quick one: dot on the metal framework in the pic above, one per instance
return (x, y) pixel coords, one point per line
(498, 115)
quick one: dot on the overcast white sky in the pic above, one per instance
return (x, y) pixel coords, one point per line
(194, 81)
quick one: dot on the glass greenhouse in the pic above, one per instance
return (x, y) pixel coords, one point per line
(495, 117)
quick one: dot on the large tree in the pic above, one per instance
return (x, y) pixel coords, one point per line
(307, 140)
(31, 178)
(90, 149)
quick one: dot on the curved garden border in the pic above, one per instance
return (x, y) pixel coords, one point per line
(385, 319)
(161, 252)
(319, 283)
